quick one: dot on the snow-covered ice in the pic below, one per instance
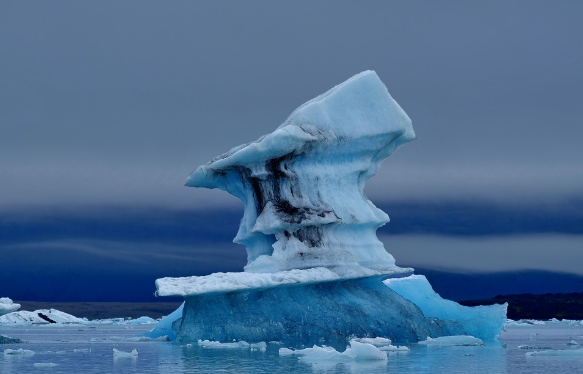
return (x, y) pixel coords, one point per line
(7, 306)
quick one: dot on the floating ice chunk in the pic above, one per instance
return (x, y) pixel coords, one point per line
(122, 354)
(525, 346)
(82, 350)
(44, 365)
(41, 316)
(484, 322)
(140, 321)
(164, 326)
(451, 341)
(261, 346)
(19, 351)
(355, 351)
(8, 340)
(377, 342)
(383, 344)
(563, 352)
(163, 338)
(573, 342)
(239, 344)
(7, 306)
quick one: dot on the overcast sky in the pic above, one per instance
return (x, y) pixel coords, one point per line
(113, 104)
(117, 102)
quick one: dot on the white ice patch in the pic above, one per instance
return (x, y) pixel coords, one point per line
(19, 351)
(562, 353)
(7, 306)
(355, 351)
(44, 365)
(122, 354)
(383, 344)
(451, 341)
(573, 342)
(218, 283)
(261, 346)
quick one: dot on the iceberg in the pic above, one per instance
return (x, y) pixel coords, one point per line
(7, 306)
(314, 264)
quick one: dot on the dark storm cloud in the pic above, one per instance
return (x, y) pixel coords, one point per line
(116, 103)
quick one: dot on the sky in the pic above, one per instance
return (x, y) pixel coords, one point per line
(106, 107)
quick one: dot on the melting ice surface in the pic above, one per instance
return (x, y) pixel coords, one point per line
(315, 266)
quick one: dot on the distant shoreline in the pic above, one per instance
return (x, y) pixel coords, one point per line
(103, 310)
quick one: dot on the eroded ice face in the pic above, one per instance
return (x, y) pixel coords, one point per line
(302, 185)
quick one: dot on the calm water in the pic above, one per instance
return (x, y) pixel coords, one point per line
(57, 344)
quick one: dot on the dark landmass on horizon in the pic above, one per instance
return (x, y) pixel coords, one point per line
(542, 307)
(523, 306)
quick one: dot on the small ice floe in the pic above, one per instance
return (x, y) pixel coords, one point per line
(19, 351)
(572, 342)
(81, 350)
(163, 338)
(531, 347)
(355, 351)
(44, 365)
(7, 306)
(451, 341)
(384, 344)
(523, 322)
(559, 352)
(122, 354)
(8, 340)
(55, 352)
(261, 346)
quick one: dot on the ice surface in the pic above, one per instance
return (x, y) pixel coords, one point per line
(355, 351)
(484, 322)
(19, 351)
(314, 263)
(7, 306)
(452, 341)
(217, 283)
(302, 185)
(558, 352)
(41, 316)
(573, 342)
(44, 365)
(121, 354)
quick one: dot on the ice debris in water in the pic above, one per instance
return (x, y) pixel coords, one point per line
(573, 342)
(384, 344)
(355, 351)
(452, 341)
(7, 306)
(19, 351)
(563, 352)
(261, 346)
(121, 354)
(310, 235)
(44, 365)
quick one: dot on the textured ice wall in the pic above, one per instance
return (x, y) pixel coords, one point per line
(484, 322)
(302, 185)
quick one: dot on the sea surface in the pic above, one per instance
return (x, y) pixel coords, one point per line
(89, 349)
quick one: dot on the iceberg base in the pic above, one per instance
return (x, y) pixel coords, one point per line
(329, 313)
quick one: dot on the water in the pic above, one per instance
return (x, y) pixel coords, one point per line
(56, 344)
